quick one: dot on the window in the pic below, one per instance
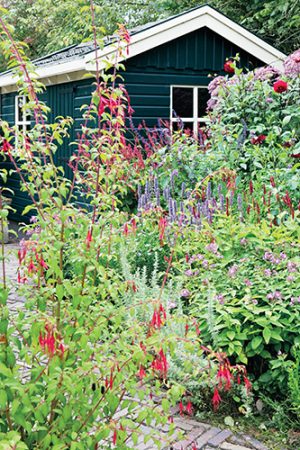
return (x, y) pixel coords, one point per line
(188, 105)
(22, 117)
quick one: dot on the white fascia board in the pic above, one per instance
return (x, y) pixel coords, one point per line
(244, 39)
(45, 72)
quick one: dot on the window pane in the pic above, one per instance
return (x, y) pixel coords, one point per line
(187, 127)
(203, 97)
(183, 102)
(20, 106)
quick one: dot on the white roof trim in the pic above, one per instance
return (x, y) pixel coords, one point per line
(159, 34)
(193, 20)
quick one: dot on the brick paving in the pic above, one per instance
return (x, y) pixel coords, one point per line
(189, 434)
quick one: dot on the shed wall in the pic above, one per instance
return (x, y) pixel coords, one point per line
(189, 60)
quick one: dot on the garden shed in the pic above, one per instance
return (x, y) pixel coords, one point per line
(168, 67)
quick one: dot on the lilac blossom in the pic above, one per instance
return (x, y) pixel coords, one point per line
(212, 247)
(292, 64)
(248, 282)
(233, 271)
(266, 73)
(185, 293)
(220, 298)
(291, 266)
(290, 278)
(268, 272)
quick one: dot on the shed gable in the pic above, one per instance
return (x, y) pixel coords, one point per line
(202, 50)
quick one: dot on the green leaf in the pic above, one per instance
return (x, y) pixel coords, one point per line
(255, 343)
(267, 335)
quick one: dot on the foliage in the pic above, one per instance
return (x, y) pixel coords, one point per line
(255, 129)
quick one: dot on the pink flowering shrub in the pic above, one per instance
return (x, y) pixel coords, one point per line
(255, 122)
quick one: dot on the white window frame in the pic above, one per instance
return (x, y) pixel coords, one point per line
(195, 119)
(21, 122)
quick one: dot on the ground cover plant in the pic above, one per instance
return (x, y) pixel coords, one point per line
(190, 297)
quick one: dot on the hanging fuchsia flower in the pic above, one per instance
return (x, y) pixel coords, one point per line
(50, 344)
(142, 373)
(31, 267)
(225, 375)
(114, 439)
(181, 408)
(89, 238)
(162, 224)
(6, 146)
(47, 343)
(216, 400)
(189, 409)
(248, 384)
(159, 317)
(160, 364)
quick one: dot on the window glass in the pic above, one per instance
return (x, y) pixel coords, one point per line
(203, 97)
(188, 127)
(22, 116)
(183, 102)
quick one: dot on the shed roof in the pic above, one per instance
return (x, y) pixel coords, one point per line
(74, 62)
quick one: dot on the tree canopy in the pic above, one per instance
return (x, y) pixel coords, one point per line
(49, 25)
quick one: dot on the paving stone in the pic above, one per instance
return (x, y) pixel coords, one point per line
(183, 424)
(229, 446)
(204, 438)
(181, 445)
(237, 439)
(196, 432)
(219, 438)
(255, 443)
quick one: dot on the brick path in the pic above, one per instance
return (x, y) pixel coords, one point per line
(194, 434)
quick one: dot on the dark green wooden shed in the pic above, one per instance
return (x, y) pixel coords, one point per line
(169, 66)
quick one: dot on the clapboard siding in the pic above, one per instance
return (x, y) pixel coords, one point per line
(189, 60)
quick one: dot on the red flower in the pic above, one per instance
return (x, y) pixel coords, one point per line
(189, 409)
(216, 400)
(160, 363)
(162, 228)
(159, 317)
(224, 374)
(258, 140)
(142, 373)
(248, 385)
(272, 181)
(88, 239)
(125, 230)
(31, 267)
(47, 343)
(114, 439)
(251, 187)
(181, 408)
(297, 155)
(280, 86)
(6, 147)
(229, 66)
